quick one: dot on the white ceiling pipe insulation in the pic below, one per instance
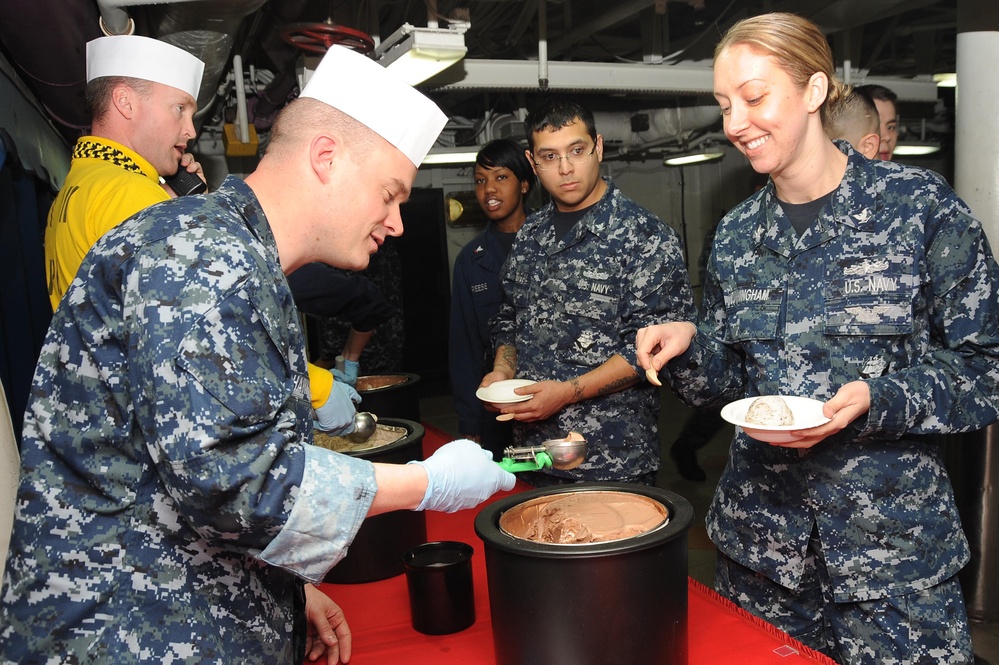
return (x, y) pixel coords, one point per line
(665, 125)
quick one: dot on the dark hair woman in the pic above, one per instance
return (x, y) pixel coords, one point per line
(503, 179)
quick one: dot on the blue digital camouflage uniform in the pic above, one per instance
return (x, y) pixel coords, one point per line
(571, 304)
(896, 285)
(169, 506)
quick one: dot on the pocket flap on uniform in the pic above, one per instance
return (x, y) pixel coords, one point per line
(223, 353)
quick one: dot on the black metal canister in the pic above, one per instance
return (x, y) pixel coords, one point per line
(377, 549)
(390, 395)
(622, 601)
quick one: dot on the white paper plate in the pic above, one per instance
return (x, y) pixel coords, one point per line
(807, 413)
(501, 392)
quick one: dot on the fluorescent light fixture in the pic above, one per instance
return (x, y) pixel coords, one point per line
(710, 154)
(945, 80)
(452, 155)
(418, 54)
(916, 148)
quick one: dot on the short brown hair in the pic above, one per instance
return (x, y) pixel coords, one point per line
(98, 92)
(298, 121)
(853, 114)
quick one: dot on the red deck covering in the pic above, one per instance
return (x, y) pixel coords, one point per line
(378, 614)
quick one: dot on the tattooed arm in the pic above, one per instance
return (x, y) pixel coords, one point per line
(550, 397)
(504, 366)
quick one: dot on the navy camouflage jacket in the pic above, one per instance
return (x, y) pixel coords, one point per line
(895, 284)
(570, 304)
(475, 298)
(170, 505)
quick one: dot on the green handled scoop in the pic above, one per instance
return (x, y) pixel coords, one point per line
(560, 453)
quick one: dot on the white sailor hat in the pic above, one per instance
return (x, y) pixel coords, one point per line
(144, 58)
(378, 99)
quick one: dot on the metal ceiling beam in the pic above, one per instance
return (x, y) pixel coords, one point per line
(649, 79)
(618, 14)
(523, 75)
(528, 9)
(843, 14)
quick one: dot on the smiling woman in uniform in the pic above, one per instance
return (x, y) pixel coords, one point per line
(870, 286)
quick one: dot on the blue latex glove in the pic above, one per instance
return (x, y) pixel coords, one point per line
(349, 373)
(461, 475)
(336, 416)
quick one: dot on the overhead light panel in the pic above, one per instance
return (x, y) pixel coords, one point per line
(452, 155)
(418, 54)
(702, 156)
(916, 148)
(945, 80)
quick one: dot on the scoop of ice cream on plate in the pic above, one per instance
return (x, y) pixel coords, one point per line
(771, 418)
(768, 411)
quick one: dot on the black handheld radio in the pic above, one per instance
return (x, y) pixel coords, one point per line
(184, 182)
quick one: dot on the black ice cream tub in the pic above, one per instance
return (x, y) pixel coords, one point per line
(390, 395)
(377, 549)
(622, 601)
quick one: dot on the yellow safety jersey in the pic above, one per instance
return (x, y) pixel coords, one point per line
(107, 183)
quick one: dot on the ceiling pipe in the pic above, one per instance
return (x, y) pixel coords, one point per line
(242, 125)
(618, 13)
(646, 79)
(665, 125)
(543, 44)
(205, 29)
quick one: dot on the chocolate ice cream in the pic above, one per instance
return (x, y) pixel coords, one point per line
(584, 517)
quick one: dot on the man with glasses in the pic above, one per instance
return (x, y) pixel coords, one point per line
(585, 271)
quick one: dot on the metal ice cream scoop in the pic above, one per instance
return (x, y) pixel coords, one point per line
(562, 454)
(365, 424)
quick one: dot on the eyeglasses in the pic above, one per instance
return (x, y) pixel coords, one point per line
(551, 160)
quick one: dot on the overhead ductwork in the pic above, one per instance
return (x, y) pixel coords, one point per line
(204, 28)
(46, 40)
(618, 78)
(623, 132)
(633, 132)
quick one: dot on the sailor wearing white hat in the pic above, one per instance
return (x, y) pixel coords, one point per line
(374, 96)
(142, 96)
(144, 58)
(156, 120)
(178, 462)
(366, 131)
